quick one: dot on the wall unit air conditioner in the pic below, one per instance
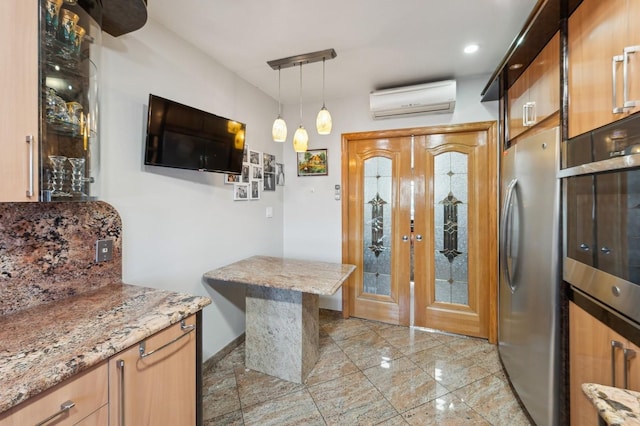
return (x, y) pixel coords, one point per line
(438, 97)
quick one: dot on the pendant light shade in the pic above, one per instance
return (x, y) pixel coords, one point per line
(323, 120)
(301, 137)
(300, 140)
(279, 129)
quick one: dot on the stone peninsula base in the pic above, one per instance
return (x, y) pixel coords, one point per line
(282, 332)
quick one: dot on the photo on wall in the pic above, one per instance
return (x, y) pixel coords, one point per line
(254, 193)
(255, 158)
(269, 181)
(279, 174)
(230, 179)
(240, 191)
(269, 163)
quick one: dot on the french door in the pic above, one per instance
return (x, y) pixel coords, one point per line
(422, 203)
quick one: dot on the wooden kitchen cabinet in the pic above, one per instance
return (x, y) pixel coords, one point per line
(154, 382)
(599, 32)
(535, 95)
(595, 351)
(88, 392)
(19, 116)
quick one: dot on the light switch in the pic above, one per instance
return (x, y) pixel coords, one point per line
(269, 212)
(104, 250)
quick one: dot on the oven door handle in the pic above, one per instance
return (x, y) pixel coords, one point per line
(506, 230)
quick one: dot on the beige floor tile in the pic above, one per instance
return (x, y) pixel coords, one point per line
(447, 410)
(255, 387)
(296, 408)
(404, 384)
(351, 400)
(368, 349)
(230, 419)
(219, 394)
(423, 358)
(455, 373)
(332, 363)
(409, 340)
(344, 329)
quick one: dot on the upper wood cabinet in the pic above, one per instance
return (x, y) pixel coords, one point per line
(604, 63)
(19, 106)
(595, 353)
(535, 95)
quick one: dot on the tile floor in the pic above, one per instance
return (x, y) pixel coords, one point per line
(370, 373)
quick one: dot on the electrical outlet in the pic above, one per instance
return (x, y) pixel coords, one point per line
(104, 250)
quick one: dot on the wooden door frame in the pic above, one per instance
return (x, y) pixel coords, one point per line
(490, 127)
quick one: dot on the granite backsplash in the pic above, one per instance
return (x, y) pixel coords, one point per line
(47, 251)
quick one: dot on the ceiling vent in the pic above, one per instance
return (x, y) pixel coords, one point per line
(438, 97)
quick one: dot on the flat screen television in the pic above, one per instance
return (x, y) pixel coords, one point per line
(184, 137)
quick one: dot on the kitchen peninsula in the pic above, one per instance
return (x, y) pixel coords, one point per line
(282, 305)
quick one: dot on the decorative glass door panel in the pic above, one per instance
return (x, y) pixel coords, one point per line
(380, 179)
(450, 228)
(377, 226)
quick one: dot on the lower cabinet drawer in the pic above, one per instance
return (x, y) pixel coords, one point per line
(86, 392)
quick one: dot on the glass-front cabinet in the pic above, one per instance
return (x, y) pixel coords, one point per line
(70, 38)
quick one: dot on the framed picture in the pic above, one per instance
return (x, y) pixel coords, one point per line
(255, 157)
(279, 174)
(254, 189)
(269, 163)
(230, 179)
(244, 176)
(313, 163)
(245, 156)
(269, 181)
(256, 172)
(240, 191)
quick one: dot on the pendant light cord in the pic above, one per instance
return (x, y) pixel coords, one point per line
(301, 93)
(323, 61)
(279, 103)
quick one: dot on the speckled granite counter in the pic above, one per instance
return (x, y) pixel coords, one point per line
(46, 344)
(615, 406)
(282, 303)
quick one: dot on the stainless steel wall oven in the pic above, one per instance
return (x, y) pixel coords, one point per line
(601, 183)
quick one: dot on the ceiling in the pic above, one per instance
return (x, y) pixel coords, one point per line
(379, 43)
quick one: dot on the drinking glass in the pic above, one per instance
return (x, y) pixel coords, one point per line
(77, 175)
(58, 175)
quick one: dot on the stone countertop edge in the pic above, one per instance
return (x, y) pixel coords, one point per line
(616, 406)
(42, 346)
(305, 276)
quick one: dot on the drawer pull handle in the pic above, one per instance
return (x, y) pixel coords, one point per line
(614, 100)
(30, 166)
(120, 365)
(183, 326)
(628, 354)
(64, 408)
(614, 344)
(627, 103)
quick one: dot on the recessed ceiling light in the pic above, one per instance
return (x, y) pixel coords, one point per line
(471, 48)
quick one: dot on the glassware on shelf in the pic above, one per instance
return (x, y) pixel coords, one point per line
(77, 176)
(68, 27)
(57, 109)
(58, 176)
(52, 16)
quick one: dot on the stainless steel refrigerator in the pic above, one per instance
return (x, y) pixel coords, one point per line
(528, 328)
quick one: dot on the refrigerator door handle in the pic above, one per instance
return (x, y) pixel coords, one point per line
(505, 232)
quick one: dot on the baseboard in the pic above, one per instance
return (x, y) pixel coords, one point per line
(211, 363)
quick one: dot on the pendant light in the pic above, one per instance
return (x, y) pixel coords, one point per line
(279, 130)
(301, 137)
(323, 120)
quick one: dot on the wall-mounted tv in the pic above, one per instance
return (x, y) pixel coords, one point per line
(183, 137)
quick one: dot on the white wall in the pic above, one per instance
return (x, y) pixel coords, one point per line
(178, 224)
(312, 216)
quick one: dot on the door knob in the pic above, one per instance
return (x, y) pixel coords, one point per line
(419, 237)
(405, 238)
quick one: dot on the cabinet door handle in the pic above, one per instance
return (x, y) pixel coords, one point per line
(614, 344)
(185, 328)
(628, 354)
(625, 82)
(120, 366)
(30, 166)
(531, 114)
(614, 99)
(64, 408)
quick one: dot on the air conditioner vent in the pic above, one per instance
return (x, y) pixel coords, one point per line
(438, 97)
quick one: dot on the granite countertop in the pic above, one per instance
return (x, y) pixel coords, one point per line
(616, 406)
(288, 274)
(44, 345)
